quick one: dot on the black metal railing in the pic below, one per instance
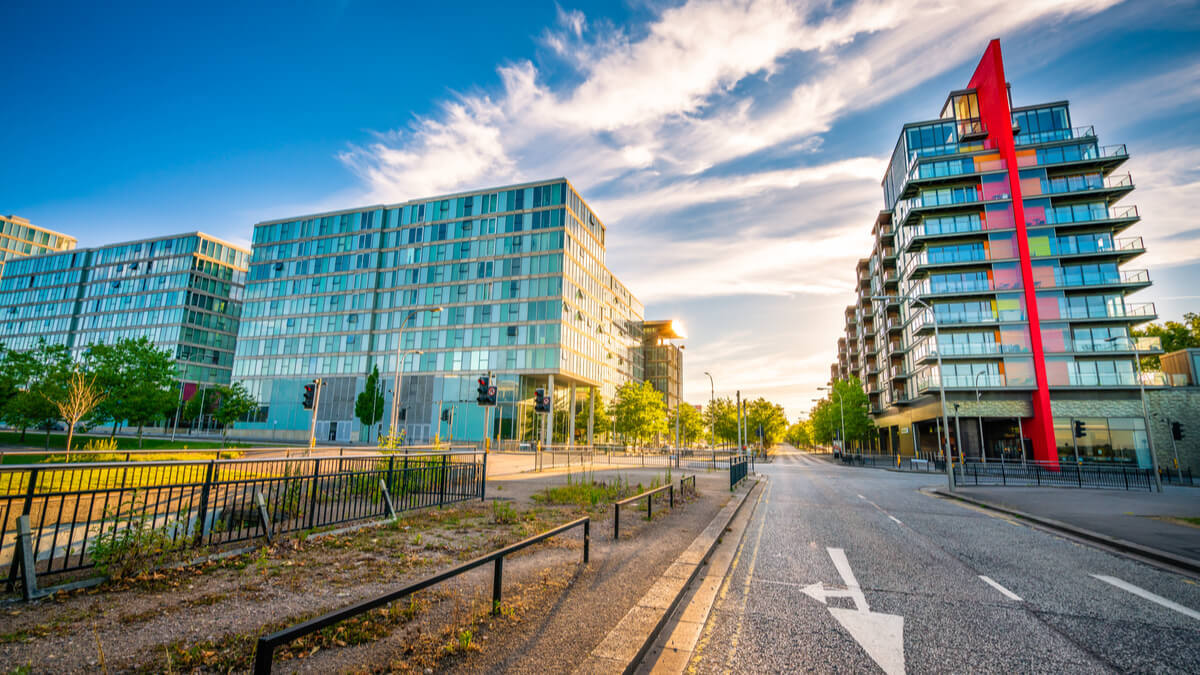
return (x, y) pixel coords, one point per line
(264, 652)
(687, 485)
(216, 502)
(1053, 474)
(738, 468)
(648, 495)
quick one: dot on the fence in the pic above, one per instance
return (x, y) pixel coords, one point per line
(648, 495)
(264, 652)
(583, 455)
(203, 503)
(738, 468)
(1065, 474)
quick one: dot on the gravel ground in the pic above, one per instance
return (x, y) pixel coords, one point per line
(206, 617)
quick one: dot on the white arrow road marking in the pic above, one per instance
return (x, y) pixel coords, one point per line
(895, 519)
(1003, 591)
(880, 635)
(1126, 586)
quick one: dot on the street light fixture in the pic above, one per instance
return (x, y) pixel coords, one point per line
(1137, 361)
(941, 376)
(400, 357)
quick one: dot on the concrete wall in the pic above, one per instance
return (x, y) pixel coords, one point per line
(1177, 404)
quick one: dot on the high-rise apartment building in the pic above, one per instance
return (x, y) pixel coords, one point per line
(1006, 221)
(664, 360)
(183, 292)
(18, 238)
(509, 281)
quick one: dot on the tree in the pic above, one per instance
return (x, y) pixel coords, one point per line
(799, 435)
(847, 401)
(691, 423)
(80, 396)
(203, 402)
(41, 376)
(138, 379)
(761, 413)
(1174, 335)
(233, 403)
(640, 411)
(601, 421)
(722, 412)
(368, 408)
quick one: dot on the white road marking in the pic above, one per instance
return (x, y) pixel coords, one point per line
(861, 497)
(1141, 592)
(895, 519)
(880, 635)
(1003, 591)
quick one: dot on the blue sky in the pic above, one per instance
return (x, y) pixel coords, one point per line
(734, 149)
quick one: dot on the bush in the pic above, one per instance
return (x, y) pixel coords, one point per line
(503, 513)
(138, 547)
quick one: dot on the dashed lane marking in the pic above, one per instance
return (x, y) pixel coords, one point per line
(1152, 597)
(1003, 591)
(895, 519)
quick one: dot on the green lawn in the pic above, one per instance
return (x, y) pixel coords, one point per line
(36, 440)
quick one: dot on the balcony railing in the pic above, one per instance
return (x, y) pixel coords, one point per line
(930, 380)
(1085, 183)
(1065, 278)
(1141, 345)
(927, 287)
(925, 349)
(1128, 311)
(1055, 135)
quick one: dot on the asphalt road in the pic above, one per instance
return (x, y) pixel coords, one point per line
(823, 534)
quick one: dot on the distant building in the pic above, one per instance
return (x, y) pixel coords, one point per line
(19, 238)
(183, 292)
(664, 360)
(1006, 220)
(519, 274)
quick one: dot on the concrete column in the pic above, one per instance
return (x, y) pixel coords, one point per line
(548, 431)
(571, 418)
(591, 413)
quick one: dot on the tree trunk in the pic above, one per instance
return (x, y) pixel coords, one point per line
(139, 437)
(47, 436)
(113, 434)
(70, 435)
(23, 434)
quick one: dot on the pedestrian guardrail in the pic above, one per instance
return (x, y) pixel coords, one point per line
(738, 469)
(648, 495)
(264, 652)
(687, 485)
(192, 504)
(1053, 474)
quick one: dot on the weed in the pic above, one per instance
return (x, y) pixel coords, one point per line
(138, 546)
(464, 639)
(503, 513)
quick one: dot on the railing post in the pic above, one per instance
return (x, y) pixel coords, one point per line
(26, 509)
(442, 483)
(671, 493)
(390, 469)
(312, 494)
(483, 480)
(1125, 475)
(497, 581)
(616, 521)
(650, 506)
(202, 518)
(587, 538)
(263, 655)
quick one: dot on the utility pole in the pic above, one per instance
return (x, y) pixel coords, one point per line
(178, 408)
(738, 403)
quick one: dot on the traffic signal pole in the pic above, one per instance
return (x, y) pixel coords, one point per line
(312, 427)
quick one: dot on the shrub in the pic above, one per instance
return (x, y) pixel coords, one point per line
(138, 547)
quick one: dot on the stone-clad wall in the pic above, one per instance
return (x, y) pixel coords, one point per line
(1177, 404)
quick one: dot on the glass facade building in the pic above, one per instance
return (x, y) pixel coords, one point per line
(519, 272)
(19, 238)
(664, 360)
(1008, 223)
(183, 292)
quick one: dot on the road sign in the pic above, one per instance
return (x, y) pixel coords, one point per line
(880, 635)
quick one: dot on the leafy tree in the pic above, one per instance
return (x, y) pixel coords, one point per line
(203, 402)
(601, 421)
(1174, 335)
(138, 380)
(79, 397)
(367, 408)
(691, 423)
(233, 403)
(849, 400)
(770, 416)
(799, 435)
(723, 412)
(640, 411)
(41, 375)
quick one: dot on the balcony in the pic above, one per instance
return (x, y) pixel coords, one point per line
(1055, 135)
(1066, 278)
(1138, 311)
(1108, 155)
(925, 352)
(1118, 184)
(1123, 248)
(925, 287)
(921, 322)
(1141, 345)
(929, 381)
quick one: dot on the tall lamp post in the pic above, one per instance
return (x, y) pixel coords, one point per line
(1137, 361)
(937, 340)
(712, 409)
(841, 411)
(400, 356)
(978, 396)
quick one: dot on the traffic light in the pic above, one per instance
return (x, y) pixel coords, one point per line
(1080, 429)
(403, 415)
(446, 415)
(541, 402)
(481, 393)
(1177, 431)
(310, 393)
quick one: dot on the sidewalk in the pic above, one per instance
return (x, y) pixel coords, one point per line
(1137, 517)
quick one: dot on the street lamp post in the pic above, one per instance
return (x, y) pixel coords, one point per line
(712, 410)
(941, 377)
(1145, 413)
(400, 356)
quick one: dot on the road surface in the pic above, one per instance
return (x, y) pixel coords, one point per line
(856, 570)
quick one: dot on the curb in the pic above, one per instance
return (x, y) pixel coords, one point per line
(1177, 563)
(628, 642)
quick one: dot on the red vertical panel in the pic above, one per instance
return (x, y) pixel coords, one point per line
(992, 90)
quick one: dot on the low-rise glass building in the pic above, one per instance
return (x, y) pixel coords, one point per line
(518, 273)
(183, 292)
(19, 238)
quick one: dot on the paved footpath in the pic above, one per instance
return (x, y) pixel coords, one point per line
(847, 570)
